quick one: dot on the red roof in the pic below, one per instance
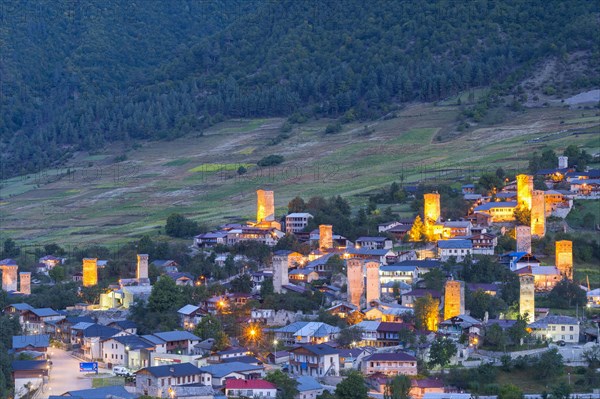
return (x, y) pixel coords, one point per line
(249, 384)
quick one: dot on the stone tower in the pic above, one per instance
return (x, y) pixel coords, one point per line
(142, 267)
(325, 237)
(373, 284)
(9, 275)
(527, 297)
(538, 214)
(524, 190)
(25, 283)
(280, 273)
(265, 206)
(355, 281)
(563, 162)
(523, 234)
(431, 207)
(564, 258)
(454, 299)
(90, 272)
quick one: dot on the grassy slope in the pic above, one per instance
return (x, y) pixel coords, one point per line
(110, 202)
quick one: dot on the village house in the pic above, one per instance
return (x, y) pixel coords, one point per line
(386, 312)
(131, 351)
(61, 329)
(210, 239)
(390, 364)
(158, 380)
(305, 275)
(374, 243)
(392, 334)
(235, 388)
(457, 228)
(269, 236)
(217, 374)
(28, 375)
(460, 325)
(420, 387)
(518, 260)
(368, 330)
(190, 316)
(398, 273)
(306, 332)
(383, 256)
(499, 211)
(544, 277)
(296, 222)
(454, 248)
(593, 298)
(34, 320)
(556, 328)
(124, 325)
(308, 387)
(166, 266)
(86, 338)
(181, 342)
(483, 243)
(314, 360)
(36, 343)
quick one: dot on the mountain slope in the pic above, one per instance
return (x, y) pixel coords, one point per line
(78, 77)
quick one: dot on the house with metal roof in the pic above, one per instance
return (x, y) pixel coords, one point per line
(390, 364)
(314, 360)
(383, 256)
(217, 374)
(250, 388)
(458, 249)
(374, 242)
(28, 375)
(556, 328)
(131, 351)
(544, 277)
(38, 343)
(306, 332)
(158, 380)
(179, 341)
(100, 393)
(499, 211)
(308, 387)
(398, 273)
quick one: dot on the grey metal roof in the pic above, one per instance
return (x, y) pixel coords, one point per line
(176, 336)
(36, 341)
(221, 370)
(172, 370)
(454, 244)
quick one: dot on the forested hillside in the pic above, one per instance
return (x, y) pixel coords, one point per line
(76, 75)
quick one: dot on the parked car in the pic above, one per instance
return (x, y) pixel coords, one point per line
(560, 343)
(122, 371)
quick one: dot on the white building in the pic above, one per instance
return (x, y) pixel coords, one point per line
(295, 222)
(556, 328)
(250, 389)
(456, 248)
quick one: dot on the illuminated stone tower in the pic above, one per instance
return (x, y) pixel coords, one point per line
(265, 206)
(280, 273)
(564, 258)
(527, 297)
(25, 283)
(373, 284)
(9, 275)
(523, 234)
(563, 162)
(538, 214)
(355, 281)
(142, 267)
(431, 207)
(325, 237)
(524, 190)
(454, 299)
(90, 272)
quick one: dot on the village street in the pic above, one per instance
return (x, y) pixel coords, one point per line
(64, 374)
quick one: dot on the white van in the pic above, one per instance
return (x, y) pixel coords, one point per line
(122, 371)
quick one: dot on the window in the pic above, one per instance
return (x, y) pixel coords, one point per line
(570, 328)
(562, 328)
(571, 338)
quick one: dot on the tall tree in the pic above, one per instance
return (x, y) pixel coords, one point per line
(353, 387)
(397, 388)
(426, 311)
(288, 387)
(441, 352)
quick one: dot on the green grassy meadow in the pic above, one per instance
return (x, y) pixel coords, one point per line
(95, 200)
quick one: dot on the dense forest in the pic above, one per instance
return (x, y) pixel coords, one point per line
(76, 75)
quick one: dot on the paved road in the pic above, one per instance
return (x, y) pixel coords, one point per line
(64, 374)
